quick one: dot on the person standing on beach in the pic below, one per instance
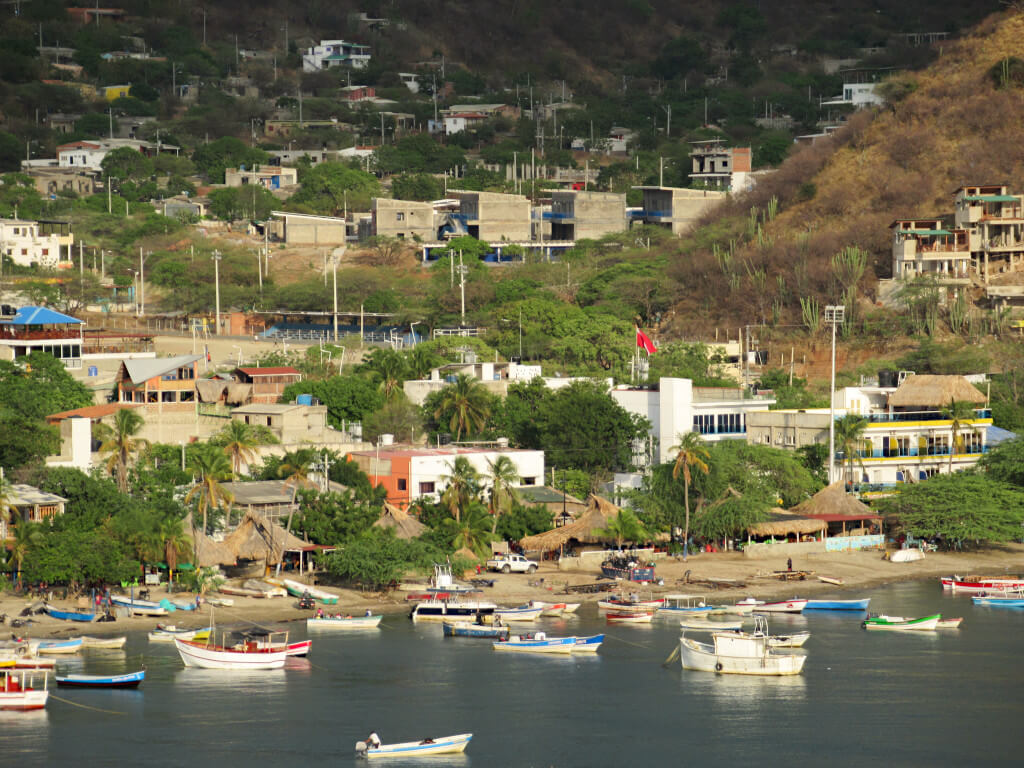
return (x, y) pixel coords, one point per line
(789, 564)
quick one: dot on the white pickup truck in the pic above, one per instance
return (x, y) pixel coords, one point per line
(509, 563)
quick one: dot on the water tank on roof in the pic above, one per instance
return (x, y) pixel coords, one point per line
(387, 439)
(304, 399)
(502, 442)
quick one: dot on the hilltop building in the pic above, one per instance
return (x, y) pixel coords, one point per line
(927, 247)
(44, 243)
(995, 220)
(675, 208)
(577, 214)
(721, 167)
(336, 53)
(38, 329)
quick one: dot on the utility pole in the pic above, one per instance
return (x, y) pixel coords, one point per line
(259, 270)
(661, 171)
(668, 122)
(834, 314)
(334, 264)
(81, 260)
(216, 282)
(462, 291)
(382, 129)
(142, 284)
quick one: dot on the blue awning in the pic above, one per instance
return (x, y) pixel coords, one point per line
(996, 435)
(41, 316)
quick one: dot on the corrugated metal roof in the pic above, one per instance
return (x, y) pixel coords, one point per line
(140, 371)
(41, 316)
(22, 495)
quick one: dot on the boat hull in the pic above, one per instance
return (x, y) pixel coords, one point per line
(518, 614)
(467, 629)
(23, 701)
(298, 589)
(837, 605)
(627, 606)
(546, 645)
(782, 606)
(70, 615)
(706, 625)
(441, 611)
(344, 622)
(140, 607)
(980, 585)
(642, 575)
(130, 680)
(167, 634)
(1003, 602)
(448, 745)
(629, 618)
(104, 642)
(794, 640)
(212, 657)
(950, 623)
(896, 624)
(703, 658)
(60, 646)
(588, 644)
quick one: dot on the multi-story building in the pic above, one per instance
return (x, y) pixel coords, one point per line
(908, 436)
(267, 384)
(267, 176)
(675, 208)
(47, 244)
(335, 53)
(495, 378)
(577, 214)
(926, 247)
(415, 473)
(169, 382)
(721, 167)
(995, 220)
(290, 422)
(675, 407)
(38, 329)
(494, 216)
(404, 219)
(90, 154)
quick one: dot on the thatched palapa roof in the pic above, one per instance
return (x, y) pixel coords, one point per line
(934, 391)
(211, 553)
(405, 525)
(598, 514)
(782, 523)
(467, 554)
(834, 500)
(256, 538)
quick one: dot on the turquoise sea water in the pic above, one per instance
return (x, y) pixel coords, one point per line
(951, 698)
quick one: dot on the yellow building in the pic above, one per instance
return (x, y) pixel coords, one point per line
(114, 92)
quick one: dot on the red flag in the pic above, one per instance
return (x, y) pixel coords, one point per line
(644, 341)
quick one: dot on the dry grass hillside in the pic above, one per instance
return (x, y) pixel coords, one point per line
(954, 128)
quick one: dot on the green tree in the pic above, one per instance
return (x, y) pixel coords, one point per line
(125, 163)
(691, 455)
(210, 467)
(471, 530)
(227, 152)
(463, 406)
(1005, 462)
(730, 516)
(250, 201)
(524, 520)
(334, 518)
(849, 440)
(416, 186)
(959, 413)
(121, 444)
(27, 535)
(462, 487)
(330, 187)
(398, 417)
(960, 508)
(625, 526)
(348, 398)
(378, 559)
(421, 360)
(240, 441)
(294, 469)
(172, 540)
(504, 477)
(389, 368)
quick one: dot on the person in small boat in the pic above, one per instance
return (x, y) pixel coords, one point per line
(427, 740)
(319, 613)
(368, 613)
(373, 741)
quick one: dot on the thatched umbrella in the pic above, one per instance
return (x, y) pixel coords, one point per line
(256, 537)
(782, 523)
(211, 553)
(929, 391)
(833, 500)
(599, 513)
(466, 553)
(404, 525)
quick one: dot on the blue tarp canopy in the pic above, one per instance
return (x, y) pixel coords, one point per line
(41, 316)
(996, 435)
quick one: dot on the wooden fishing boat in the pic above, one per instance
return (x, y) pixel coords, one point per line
(709, 625)
(827, 580)
(298, 589)
(104, 642)
(837, 605)
(620, 604)
(629, 618)
(441, 610)
(685, 605)
(519, 613)
(17, 692)
(269, 590)
(442, 745)
(220, 602)
(900, 624)
(739, 653)
(796, 605)
(953, 623)
(49, 647)
(69, 615)
(129, 680)
(250, 656)
(228, 589)
(588, 644)
(906, 555)
(140, 607)
(344, 622)
(34, 662)
(977, 584)
(793, 640)
(468, 629)
(166, 633)
(554, 609)
(536, 642)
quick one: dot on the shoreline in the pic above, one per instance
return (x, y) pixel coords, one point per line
(860, 571)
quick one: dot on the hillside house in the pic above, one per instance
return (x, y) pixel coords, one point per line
(403, 219)
(51, 180)
(491, 216)
(356, 93)
(28, 243)
(714, 165)
(90, 154)
(675, 208)
(335, 53)
(267, 384)
(167, 381)
(267, 176)
(290, 422)
(927, 247)
(995, 219)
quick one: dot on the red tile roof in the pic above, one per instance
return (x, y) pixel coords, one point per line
(281, 370)
(89, 412)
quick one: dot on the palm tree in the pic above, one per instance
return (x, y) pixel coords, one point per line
(471, 531)
(504, 477)
(691, 455)
(849, 438)
(958, 412)
(625, 526)
(294, 468)
(468, 404)
(209, 468)
(121, 444)
(463, 485)
(26, 536)
(390, 367)
(421, 360)
(174, 541)
(240, 443)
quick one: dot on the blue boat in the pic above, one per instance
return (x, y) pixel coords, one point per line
(468, 629)
(60, 646)
(588, 644)
(837, 605)
(1004, 601)
(70, 615)
(130, 680)
(536, 642)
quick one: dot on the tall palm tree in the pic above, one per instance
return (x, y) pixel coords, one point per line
(390, 367)
(463, 486)
(421, 360)
(173, 540)
(691, 455)
(120, 443)
(240, 443)
(958, 412)
(849, 437)
(209, 468)
(504, 476)
(466, 403)
(27, 535)
(471, 531)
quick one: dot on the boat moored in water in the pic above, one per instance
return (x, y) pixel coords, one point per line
(632, 617)
(440, 610)
(128, 680)
(898, 623)
(837, 605)
(17, 692)
(519, 613)
(739, 653)
(536, 642)
(73, 645)
(685, 605)
(469, 629)
(344, 622)
(104, 642)
(250, 656)
(442, 745)
(978, 584)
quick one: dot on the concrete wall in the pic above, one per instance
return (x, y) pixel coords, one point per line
(498, 216)
(783, 551)
(324, 231)
(403, 219)
(786, 429)
(688, 205)
(595, 214)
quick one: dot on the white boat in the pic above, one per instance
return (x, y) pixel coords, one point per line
(901, 624)
(793, 640)
(739, 653)
(250, 656)
(49, 647)
(443, 745)
(519, 613)
(441, 610)
(536, 642)
(685, 605)
(632, 603)
(709, 625)
(167, 633)
(629, 618)
(906, 555)
(140, 607)
(220, 602)
(344, 622)
(270, 590)
(104, 642)
(298, 589)
(829, 580)
(554, 609)
(17, 692)
(796, 605)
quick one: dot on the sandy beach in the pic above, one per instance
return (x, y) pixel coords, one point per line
(860, 572)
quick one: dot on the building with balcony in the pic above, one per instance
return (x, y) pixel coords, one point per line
(494, 376)
(335, 53)
(721, 167)
(675, 407)
(926, 247)
(675, 208)
(169, 382)
(38, 329)
(268, 177)
(577, 214)
(267, 384)
(28, 243)
(415, 473)
(90, 154)
(995, 221)
(29, 505)
(290, 422)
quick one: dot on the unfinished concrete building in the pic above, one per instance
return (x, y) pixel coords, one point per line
(676, 208)
(403, 219)
(926, 247)
(577, 214)
(492, 216)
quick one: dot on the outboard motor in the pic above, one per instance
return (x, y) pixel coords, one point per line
(361, 748)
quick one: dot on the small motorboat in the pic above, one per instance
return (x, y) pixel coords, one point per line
(978, 584)
(796, 605)
(519, 613)
(344, 622)
(1006, 599)
(588, 644)
(898, 623)
(685, 605)
(739, 653)
(129, 680)
(469, 629)
(298, 589)
(837, 605)
(140, 607)
(229, 589)
(34, 662)
(828, 580)
(954, 623)
(17, 692)
(629, 618)
(442, 745)
(708, 625)
(165, 633)
(220, 602)
(69, 615)
(269, 590)
(554, 609)
(536, 642)
(447, 610)
(104, 642)
(630, 604)
(74, 645)
(792, 640)
(250, 656)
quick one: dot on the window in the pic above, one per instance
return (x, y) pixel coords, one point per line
(704, 423)
(529, 480)
(46, 251)
(399, 216)
(167, 397)
(729, 423)
(426, 487)
(403, 484)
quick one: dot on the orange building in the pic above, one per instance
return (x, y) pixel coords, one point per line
(167, 381)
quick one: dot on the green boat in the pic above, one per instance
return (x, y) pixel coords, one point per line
(898, 623)
(298, 589)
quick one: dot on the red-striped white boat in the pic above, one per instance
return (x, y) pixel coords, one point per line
(630, 605)
(630, 618)
(250, 656)
(17, 693)
(979, 584)
(796, 605)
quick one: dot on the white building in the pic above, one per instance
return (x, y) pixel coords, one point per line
(410, 80)
(676, 407)
(22, 243)
(414, 473)
(495, 377)
(90, 154)
(335, 53)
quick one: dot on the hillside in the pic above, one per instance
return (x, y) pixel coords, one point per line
(954, 128)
